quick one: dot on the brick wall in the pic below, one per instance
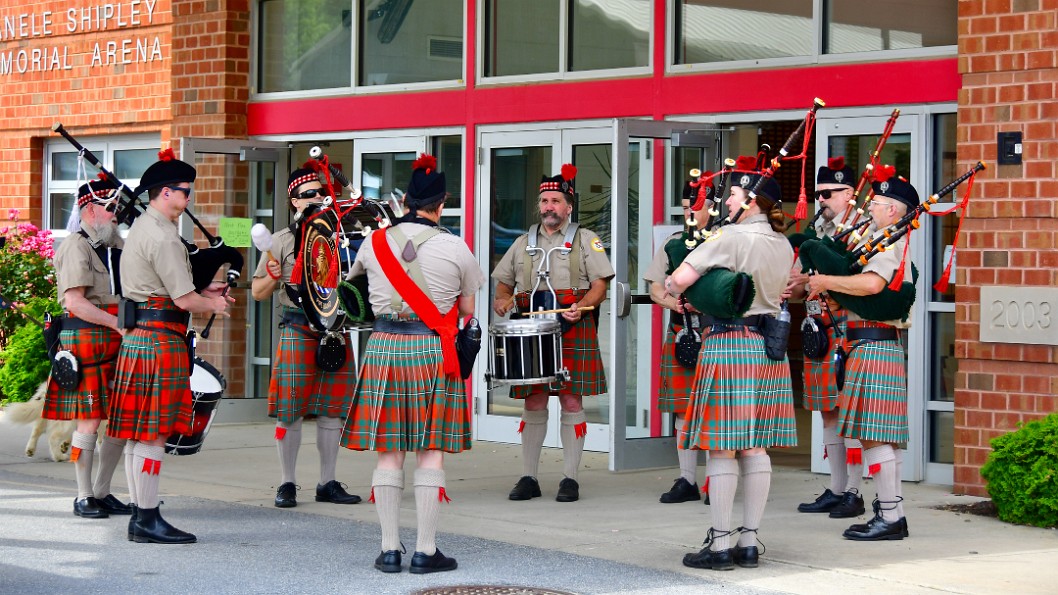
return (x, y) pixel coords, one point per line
(1008, 53)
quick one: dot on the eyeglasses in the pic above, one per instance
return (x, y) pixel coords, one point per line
(312, 193)
(825, 194)
(880, 203)
(186, 191)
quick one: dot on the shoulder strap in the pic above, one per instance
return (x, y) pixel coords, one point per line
(446, 326)
(412, 267)
(573, 242)
(110, 258)
(527, 268)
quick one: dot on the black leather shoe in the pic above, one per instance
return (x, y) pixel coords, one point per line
(132, 520)
(722, 560)
(747, 557)
(388, 561)
(89, 508)
(824, 503)
(287, 495)
(526, 488)
(877, 530)
(438, 562)
(113, 506)
(682, 491)
(851, 506)
(334, 492)
(568, 490)
(150, 527)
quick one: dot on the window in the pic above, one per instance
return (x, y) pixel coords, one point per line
(126, 157)
(711, 31)
(884, 25)
(404, 43)
(303, 45)
(525, 37)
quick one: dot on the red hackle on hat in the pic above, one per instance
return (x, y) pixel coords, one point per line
(569, 171)
(884, 172)
(746, 163)
(425, 161)
(166, 155)
(836, 163)
(101, 176)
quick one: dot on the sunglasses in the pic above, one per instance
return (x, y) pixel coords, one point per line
(186, 191)
(825, 194)
(312, 193)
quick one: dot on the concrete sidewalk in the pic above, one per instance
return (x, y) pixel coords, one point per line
(618, 519)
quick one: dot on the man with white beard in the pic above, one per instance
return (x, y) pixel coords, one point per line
(88, 289)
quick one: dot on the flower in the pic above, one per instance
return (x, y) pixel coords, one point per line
(12, 214)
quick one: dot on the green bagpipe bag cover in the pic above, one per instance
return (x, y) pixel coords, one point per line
(677, 250)
(831, 258)
(722, 293)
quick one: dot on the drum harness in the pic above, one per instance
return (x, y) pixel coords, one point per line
(543, 270)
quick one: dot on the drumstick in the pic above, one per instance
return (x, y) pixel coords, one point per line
(556, 311)
(262, 239)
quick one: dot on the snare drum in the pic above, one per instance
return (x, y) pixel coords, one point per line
(526, 351)
(207, 388)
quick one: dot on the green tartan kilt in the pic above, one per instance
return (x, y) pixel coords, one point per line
(820, 382)
(676, 381)
(581, 356)
(741, 399)
(873, 402)
(299, 389)
(152, 387)
(89, 399)
(404, 401)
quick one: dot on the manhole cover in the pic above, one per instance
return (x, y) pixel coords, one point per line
(489, 590)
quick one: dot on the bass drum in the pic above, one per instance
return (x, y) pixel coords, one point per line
(207, 388)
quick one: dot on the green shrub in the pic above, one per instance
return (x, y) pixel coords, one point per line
(26, 362)
(1022, 474)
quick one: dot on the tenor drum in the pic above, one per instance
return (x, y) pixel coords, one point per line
(207, 388)
(526, 351)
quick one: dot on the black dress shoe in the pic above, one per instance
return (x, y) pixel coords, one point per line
(287, 495)
(682, 491)
(334, 492)
(568, 490)
(89, 508)
(877, 530)
(132, 519)
(113, 506)
(388, 561)
(747, 557)
(851, 505)
(438, 562)
(824, 503)
(526, 488)
(150, 527)
(721, 560)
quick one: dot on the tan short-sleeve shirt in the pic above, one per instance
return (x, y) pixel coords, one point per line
(78, 265)
(283, 251)
(656, 272)
(885, 265)
(154, 262)
(594, 263)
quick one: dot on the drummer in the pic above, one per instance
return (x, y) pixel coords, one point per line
(299, 388)
(580, 277)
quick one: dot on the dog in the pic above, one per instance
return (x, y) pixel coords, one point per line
(60, 432)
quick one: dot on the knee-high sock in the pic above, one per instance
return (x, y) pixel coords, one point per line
(534, 430)
(881, 461)
(110, 452)
(84, 447)
(855, 465)
(387, 488)
(147, 463)
(723, 481)
(328, 434)
(835, 451)
(130, 471)
(288, 441)
(756, 483)
(429, 491)
(899, 455)
(688, 458)
(574, 428)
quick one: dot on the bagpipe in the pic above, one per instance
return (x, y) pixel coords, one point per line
(832, 256)
(205, 262)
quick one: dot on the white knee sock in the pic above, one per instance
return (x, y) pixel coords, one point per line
(574, 428)
(83, 451)
(688, 458)
(723, 481)
(881, 461)
(288, 441)
(110, 452)
(835, 451)
(756, 483)
(328, 434)
(534, 430)
(147, 462)
(387, 489)
(429, 491)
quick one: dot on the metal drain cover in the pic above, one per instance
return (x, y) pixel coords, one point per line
(489, 590)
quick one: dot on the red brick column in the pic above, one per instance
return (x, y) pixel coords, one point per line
(1007, 55)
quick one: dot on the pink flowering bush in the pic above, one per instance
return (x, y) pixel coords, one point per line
(26, 271)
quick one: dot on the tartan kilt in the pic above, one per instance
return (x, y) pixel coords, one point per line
(873, 402)
(152, 387)
(820, 382)
(676, 381)
(299, 389)
(741, 399)
(404, 400)
(89, 399)
(581, 356)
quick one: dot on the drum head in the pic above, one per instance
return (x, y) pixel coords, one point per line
(526, 326)
(321, 252)
(205, 379)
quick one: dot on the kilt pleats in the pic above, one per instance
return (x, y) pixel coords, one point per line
(873, 402)
(89, 400)
(298, 388)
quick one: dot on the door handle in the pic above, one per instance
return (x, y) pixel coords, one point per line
(623, 299)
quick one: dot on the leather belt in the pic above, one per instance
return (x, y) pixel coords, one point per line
(294, 318)
(153, 315)
(872, 333)
(71, 323)
(754, 320)
(402, 327)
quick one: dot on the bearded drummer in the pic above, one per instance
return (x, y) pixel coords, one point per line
(299, 388)
(152, 388)
(89, 289)
(580, 278)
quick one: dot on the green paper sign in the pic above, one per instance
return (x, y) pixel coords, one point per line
(235, 231)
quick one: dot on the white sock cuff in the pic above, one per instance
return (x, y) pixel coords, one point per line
(294, 425)
(534, 417)
(83, 441)
(853, 443)
(388, 477)
(154, 453)
(130, 447)
(878, 455)
(430, 478)
(830, 436)
(573, 419)
(721, 466)
(756, 464)
(328, 423)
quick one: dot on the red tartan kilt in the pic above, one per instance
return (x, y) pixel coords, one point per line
(89, 399)
(676, 381)
(299, 389)
(152, 388)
